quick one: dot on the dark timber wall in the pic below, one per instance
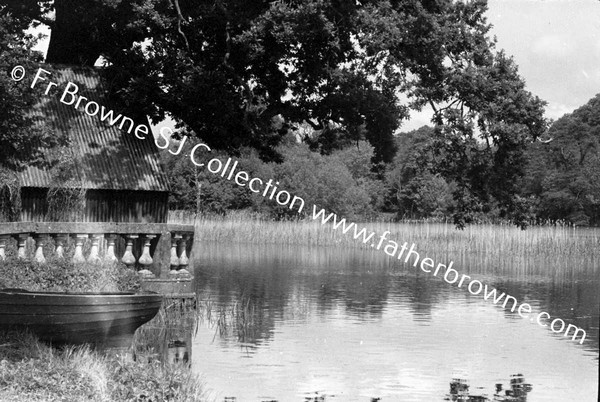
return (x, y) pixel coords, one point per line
(103, 206)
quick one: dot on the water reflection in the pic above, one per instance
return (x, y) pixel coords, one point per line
(459, 391)
(179, 351)
(363, 289)
(168, 337)
(295, 323)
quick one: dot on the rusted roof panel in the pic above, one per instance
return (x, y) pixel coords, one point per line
(106, 156)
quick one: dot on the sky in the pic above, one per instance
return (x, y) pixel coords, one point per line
(555, 43)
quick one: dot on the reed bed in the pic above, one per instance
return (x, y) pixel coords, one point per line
(561, 251)
(178, 321)
(491, 239)
(238, 319)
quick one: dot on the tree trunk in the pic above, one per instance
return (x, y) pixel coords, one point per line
(71, 39)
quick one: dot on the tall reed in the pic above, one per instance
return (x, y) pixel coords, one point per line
(537, 250)
(486, 238)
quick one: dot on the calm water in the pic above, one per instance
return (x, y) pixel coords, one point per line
(352, 325)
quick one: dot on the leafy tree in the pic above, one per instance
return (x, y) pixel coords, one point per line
(563, 175)
(340, 182)
(21, 133)
(196, 189)
(413, 190)
(483, 115)
(228, 69)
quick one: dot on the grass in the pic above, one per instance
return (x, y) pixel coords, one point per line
(177, 320)
(481, 238)
(238, 319)
(248, 228)
(559, 251)
(33, 371)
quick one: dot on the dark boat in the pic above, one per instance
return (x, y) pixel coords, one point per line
(77, 317)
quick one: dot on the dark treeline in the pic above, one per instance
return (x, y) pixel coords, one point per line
(561, 181)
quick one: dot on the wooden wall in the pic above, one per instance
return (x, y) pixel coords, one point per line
(103, 206)
(33, 204)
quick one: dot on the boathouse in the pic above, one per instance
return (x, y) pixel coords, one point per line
(121, 173)
(122, 188)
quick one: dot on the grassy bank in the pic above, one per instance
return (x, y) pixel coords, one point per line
(32, 371)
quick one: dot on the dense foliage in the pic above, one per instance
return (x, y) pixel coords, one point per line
(560, 182)
(563, 176)
(342, 181)
(21, 139)
(239, 73)
(66, 276)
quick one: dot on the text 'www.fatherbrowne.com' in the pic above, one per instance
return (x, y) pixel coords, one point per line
(405, 254)
(69, 95)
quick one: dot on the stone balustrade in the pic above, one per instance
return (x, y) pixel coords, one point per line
(152, 248)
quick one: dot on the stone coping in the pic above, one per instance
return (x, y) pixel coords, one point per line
(169, 280)
(11, 228)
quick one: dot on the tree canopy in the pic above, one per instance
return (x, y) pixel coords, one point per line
(20, 136)
(244, 73)
(563, 176)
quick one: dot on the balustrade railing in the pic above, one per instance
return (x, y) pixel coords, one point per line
(143, 243)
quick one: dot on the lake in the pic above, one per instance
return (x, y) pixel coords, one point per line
(344, 324)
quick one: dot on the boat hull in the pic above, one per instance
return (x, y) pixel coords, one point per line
(77, 317)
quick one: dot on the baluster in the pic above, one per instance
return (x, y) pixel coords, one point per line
(110, 256)
(146, 259)
(183, 258)
(3, 240)
(22, 243)
(78, 257)
(94, 257)
(174, 260)
(40, 240)
(128, 258)
(60, 240)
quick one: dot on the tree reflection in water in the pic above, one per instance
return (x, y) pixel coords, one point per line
(459, 391)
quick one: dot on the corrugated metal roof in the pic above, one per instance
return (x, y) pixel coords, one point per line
(106, 157)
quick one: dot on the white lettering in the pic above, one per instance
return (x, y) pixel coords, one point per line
(67, 92)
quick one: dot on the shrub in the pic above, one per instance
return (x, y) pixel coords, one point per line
(64, 275)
